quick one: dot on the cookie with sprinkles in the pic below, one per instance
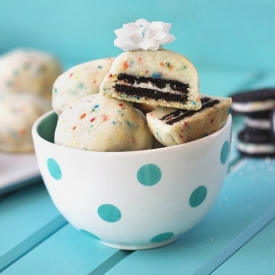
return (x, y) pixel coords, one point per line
(18, 112)
(28, 71)
(79, 81)
(146, 73)
(172, 126)
(162, 78)
(100, 123)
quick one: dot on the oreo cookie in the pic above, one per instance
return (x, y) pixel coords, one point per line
(258, 120)
(252, 101)
(272, 122)
(256, 139)
(256, 142)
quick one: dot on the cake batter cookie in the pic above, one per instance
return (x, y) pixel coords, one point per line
(28, 71)
(160, 77)
(99, 123)
(144, 108)
(79, 81)
(256, 142)
(251, 101)
(18, 112)
(175, 126)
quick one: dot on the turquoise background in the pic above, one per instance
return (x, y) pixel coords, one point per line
(236, 34)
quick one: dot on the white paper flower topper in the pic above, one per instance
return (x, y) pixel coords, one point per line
(143, 35)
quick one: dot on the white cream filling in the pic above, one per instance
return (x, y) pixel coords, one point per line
(256, 148)
(253, 106)
(258, 123)
(149, 85)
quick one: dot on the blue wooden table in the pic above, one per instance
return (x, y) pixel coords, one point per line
(232, 44)
(236, 237)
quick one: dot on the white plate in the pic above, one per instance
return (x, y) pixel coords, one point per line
(17, 170)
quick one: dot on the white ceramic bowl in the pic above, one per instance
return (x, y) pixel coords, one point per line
(133, 200)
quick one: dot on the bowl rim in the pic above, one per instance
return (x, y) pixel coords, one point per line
(188, 144)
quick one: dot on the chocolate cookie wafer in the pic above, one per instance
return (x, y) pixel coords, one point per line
(258, 120)
(256, 142)
(272, 122)
(252, 101)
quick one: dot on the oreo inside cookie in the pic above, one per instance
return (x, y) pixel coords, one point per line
(133, 87)
(179, 114)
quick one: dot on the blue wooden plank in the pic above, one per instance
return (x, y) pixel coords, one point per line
(68, 251)
(246, 195)
(23, 213)
(28, 244)
(256, 257)
(237, 243)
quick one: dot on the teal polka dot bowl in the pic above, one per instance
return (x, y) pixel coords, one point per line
(133, 200)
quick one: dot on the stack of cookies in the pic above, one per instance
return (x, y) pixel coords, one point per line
(257, 107)
(145, 98)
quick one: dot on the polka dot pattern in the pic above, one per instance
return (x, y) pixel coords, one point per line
(198, 196)
(54, 169)
(224, 152)
(109, 213)
(149, 174)
(162, 237)
(87, 233)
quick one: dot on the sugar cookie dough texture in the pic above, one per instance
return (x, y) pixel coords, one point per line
(99, 123)
(29, 71)
(26, 79)
(17, 115)
(79, 81)
(175, 126)
(161, 77)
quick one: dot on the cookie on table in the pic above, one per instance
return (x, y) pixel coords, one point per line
(157, 77)
(256, 142)
(18, 112)
(252, 101)
(30, 71)
(100, 123)
(258, 120)
(172, 126)
(79, 81)
(272, 122)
